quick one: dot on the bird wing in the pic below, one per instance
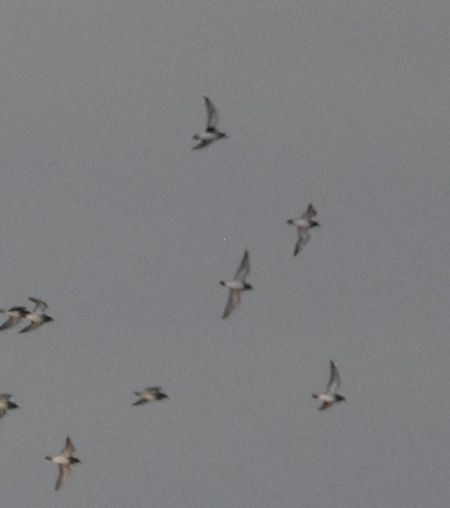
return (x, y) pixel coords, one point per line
(11, 321)
(310, 212)
(234, 298)
(303, 239)
(39, 305)
(30, 327)
(153, 389)
(64, 472)
(244, 267)
(202, 144)
(211, 114)
(335, 379)
(139, 402)
(69, 448)
(20, 310)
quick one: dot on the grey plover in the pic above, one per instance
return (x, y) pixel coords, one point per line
(210, 134)
(6, 403)
(37, 316)
(15, 314)
(303, 224)
(64, 460)
(237, 285)
(150, 394)
(331, 395)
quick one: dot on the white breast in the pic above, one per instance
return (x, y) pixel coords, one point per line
(207, 136)
(34, 318)
(233, 284)
(301, 223)
(60, 459)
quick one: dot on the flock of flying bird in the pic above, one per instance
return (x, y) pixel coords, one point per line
(303, 223)
(37, 316)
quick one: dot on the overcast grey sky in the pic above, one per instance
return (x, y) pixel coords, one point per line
(109, 216)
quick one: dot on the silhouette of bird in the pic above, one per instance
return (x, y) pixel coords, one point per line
(303, 224)
(15, 314)
(64, 460)
(331, 395)
(150, 394)
(37, 316)
(210, 134)
(237, 285)
(6, 403)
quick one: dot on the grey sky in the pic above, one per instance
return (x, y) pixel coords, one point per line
(109, 216)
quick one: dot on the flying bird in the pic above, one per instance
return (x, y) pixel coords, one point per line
(149, 394)
(210, 134)
(237, 285)
(64, 460)
(331, 395)
(303, 224)
(15, 314)
(6, 403)
(37, 316)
